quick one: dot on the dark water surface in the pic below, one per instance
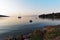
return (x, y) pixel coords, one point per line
(13, 25)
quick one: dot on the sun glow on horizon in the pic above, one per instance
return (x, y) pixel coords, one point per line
(28, 7)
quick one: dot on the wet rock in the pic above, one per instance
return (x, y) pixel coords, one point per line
(30, 21)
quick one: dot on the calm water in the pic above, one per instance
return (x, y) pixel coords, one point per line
(13, 25)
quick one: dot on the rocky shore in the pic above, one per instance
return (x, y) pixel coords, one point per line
(47, 33)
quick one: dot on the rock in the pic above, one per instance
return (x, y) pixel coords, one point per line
(30, 21)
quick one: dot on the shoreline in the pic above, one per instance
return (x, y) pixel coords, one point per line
(45, 33)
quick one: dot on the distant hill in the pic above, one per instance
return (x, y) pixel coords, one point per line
(52, 15)
(3, 16)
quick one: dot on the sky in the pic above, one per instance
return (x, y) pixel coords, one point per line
(28, 7)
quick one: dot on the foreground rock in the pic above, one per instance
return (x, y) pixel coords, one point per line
(47, 33)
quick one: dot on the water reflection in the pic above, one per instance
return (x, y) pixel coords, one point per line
(14, 23)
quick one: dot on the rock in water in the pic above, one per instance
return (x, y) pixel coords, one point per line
(30, 21)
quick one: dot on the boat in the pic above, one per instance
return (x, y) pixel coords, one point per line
(19, 17)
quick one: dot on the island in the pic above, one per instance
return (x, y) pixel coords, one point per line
(50, 15)
(3, 16)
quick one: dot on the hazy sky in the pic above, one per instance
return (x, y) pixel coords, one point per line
(28, 7)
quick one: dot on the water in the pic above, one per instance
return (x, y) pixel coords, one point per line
(13, 25)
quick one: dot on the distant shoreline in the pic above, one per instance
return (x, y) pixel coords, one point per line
(3, 16)
(51, 15)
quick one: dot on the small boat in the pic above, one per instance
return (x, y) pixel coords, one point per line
(19, 17)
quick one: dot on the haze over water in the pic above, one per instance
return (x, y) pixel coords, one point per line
(14, 23)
